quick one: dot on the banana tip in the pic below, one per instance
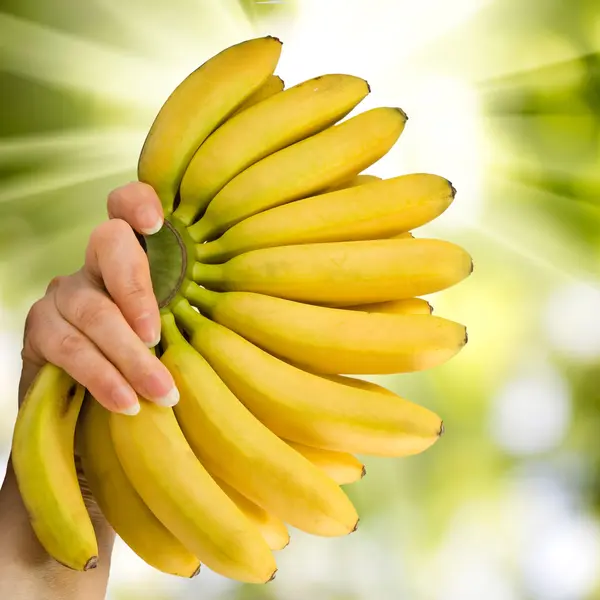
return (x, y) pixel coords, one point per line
(196, 572)
(442, 429)
(355, 526)
(92, 563)
(466, 338)
(272, 578)
(274, 38)
(404, 115)
(363, 472)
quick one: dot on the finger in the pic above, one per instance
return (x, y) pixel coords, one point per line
(115, 260)
(58, 342)
(137, 204)
(94, 314)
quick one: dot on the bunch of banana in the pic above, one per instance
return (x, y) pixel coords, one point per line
(282, 269)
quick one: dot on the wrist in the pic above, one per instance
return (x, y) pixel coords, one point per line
(26, 569)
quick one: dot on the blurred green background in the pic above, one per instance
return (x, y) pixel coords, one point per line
(504, 99)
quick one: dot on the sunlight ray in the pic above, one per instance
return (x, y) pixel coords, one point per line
(64, 176)
(562, 73)
(64, 60)
(315, 46)
(203, 28)
(85, 143)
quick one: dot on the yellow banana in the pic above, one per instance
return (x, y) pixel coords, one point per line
(121, 505)
(333, 340)
(303, 169)
(272, 528)
(197, 107)
(407, 306)
(343, 468)
(44, 463)
(342, 273)
(354, 182)
(334, 413)
(367, 212)
(240, 450)
(273, 85)
(283, 119)
(175, 486)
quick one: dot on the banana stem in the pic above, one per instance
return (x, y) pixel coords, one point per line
(190, 319)
(209, 275)
(202, 230)
(200, 297)
(170, 333)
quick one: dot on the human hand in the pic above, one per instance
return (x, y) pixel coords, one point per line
(96, 324)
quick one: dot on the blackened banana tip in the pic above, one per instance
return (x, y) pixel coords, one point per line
(355, 526)
(273, 576)
(196, 572)
(369, 90)
(91, 564)
(274, 37)
(363, 472)
(404, 115)
(442, 429)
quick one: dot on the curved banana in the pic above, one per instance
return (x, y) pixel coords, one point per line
(273, 85)
(367, 212)
(303, 169)
(197, 107)
(354, 182)
(272, 528)
(44, 463)
(333, 340)
(271, 125)
(241, 451)
(343, 468)
(342, 273)
(175, 486)
(407, 306)
(121, 505)
(330, 412)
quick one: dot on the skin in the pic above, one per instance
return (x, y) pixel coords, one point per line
(97, 325)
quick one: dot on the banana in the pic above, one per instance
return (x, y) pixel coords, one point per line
(271, 125)
(273, 85)
(273, 529)
(342, 273)
(44, 463)
(121, 505)
(303, 169)
(354, 182)
(341, 467)
(330, 412)
(407, 306)
(197, 107)
(366, 212)
(333, 340)
(406, 235)
(232, 444)
(177, 489)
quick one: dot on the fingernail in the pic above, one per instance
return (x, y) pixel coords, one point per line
(150, 222)
(147, 330)
(171, 399)
(126, 401)
(132, 410)
(161, 387)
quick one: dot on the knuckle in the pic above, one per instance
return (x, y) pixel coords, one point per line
(69, 344)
